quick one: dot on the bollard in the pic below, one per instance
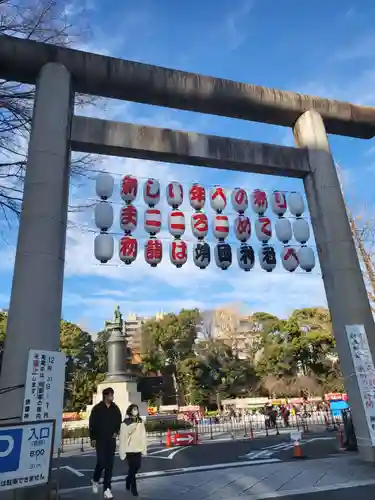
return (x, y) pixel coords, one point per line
(161, 437)
(277, 429)
(340, 436)
(231, 428)
(244, 428)
(82, 441)
(196, 433)
(265, 423)
(251, 432)
(168, 440)
(211, 435)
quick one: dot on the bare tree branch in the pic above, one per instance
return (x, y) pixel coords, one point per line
(46, 21)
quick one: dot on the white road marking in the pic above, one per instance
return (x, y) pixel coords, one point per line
(70, 469)
(183, 470)
(270, 450)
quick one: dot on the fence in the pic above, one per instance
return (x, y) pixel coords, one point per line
(225, 428)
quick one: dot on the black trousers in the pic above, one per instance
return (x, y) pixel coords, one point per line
(134, 463)
(105, 455)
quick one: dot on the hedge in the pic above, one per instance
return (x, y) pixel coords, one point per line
(151, 426)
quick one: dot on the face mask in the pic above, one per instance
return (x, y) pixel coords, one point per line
(109, 398)
(135, 412)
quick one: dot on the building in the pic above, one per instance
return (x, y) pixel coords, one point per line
(133, 331)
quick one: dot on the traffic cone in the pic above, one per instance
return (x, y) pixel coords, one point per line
(168, 440)
(297, 450)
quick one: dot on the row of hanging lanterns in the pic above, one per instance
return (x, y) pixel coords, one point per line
(197, 196)
(104, 245)
(285, 230)
(290, 258)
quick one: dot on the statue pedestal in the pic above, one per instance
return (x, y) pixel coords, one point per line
(125, 394)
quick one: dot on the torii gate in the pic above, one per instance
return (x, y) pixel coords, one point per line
(35, 306)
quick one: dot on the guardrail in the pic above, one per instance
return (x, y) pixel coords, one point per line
(210, 428)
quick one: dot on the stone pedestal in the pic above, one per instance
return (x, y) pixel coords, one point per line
(125, 394)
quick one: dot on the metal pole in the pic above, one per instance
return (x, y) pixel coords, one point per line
(35, 304)
(342, 276)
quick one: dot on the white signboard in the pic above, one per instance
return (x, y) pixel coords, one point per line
(295, 436)
(25, 454)
(364, 371)
(44, 389)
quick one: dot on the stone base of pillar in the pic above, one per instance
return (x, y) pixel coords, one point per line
(126, 393)
(366, 452)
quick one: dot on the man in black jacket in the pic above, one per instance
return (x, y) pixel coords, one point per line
(104, 427)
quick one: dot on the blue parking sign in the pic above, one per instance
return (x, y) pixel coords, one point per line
(10, 449)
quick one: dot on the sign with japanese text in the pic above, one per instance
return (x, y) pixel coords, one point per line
(44, 389)
(25, 454)
(364, 371)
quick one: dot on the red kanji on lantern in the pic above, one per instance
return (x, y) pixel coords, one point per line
(152, 190)
(178, 252)
(128, 249)
(129, 188)
(153, 252)
(265, 226)
(218, 198)
(128, 218)
(290, 253)
(197, 196)
(280, 199)
(199, 224)
(259, 201)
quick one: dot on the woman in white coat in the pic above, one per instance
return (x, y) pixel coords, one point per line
(133, 444)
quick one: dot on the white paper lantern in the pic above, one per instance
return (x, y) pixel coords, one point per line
(220, 226)
(259, 201)
(178, 252)
(175, 194)
(197, 196)
(103, 247)
(151, 192)
(103, 215)
(242, 227)
(240, 200)
(199, 225)
(202, 254)
(223, 255)
(263, 229)
(283, 230)
(278, 203)
(128, 218)
(218, 199)
(245, 257)
(153, 252)
(128, 249)
(176, 223)
(129, 188)
(267, 258)
(296, 203)
(289, 259)
(306, 258)
(152, 221)
(104, 186)
(301, 230)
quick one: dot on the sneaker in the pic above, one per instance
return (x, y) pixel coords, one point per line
(108, 493)
(95, 487)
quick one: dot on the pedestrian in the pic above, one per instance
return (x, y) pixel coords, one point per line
(133, 444)
(104, 427)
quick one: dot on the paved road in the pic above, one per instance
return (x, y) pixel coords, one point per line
(76, 470)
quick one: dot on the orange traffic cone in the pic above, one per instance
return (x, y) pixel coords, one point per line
(297, 450)
(168, 440)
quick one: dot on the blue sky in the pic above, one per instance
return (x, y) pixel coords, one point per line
(321, 48)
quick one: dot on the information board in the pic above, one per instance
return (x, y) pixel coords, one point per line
(364, 371)
(25, 454)
(44, 389)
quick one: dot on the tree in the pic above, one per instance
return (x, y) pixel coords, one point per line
(80, 378)
(101, 351)
(3, 327)
(167, 342)
(45, 21)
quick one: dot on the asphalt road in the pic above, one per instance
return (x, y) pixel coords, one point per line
(360, 492)
(76, 470)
